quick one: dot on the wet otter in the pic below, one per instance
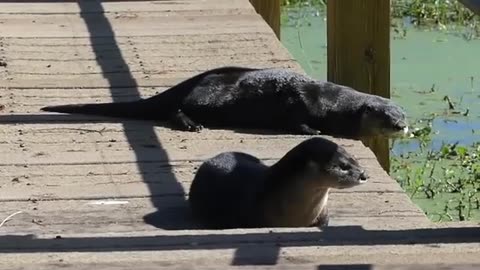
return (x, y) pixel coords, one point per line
(279, 99)
(236, 190)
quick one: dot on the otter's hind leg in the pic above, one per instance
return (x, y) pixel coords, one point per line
(183, 122)
(322, 219)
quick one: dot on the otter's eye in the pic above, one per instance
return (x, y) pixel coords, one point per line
(345, 166)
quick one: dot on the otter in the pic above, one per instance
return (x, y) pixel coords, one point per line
(270, 98)
(237, 190)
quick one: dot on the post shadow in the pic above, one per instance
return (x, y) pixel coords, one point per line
(98, 26)
(257, 242)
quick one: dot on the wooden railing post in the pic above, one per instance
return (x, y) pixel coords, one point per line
(270, 11)
(358, 34)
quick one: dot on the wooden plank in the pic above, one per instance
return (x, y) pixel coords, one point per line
(140, 56)
(170, 240)
(140, 250)
(28, 171)
(49, 215)
(169, 75)
(206, 41)
(72, 7)
(154, 266)
(134, 67)
(177, 149)
(92, 132)
(359, 53)
(158, 52)
(222, 10)
(31, 97)
(132, 27)
(270, 11)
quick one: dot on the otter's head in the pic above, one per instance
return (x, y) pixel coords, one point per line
(331, 164)
(380, 116)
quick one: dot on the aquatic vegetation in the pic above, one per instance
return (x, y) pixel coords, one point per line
(297, 3)
(441, 14)
(297, 12)
(444, 183)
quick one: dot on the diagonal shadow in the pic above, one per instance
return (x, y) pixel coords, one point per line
(99, 25)
(255, 241)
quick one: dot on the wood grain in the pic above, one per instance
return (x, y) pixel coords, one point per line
(359, 53)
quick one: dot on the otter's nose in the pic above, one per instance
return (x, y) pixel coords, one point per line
(363, 176)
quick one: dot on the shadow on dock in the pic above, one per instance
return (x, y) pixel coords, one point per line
(98, 24)
(256, 248)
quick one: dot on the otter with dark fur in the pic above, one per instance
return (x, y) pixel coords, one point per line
(278, 99)
(237, 190)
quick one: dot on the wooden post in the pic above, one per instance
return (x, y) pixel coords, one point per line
(358, 34)
(270, 11)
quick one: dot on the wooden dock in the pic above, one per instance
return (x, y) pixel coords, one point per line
(111, 194)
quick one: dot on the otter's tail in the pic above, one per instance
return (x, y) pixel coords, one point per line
(158, 107)
(134, 109)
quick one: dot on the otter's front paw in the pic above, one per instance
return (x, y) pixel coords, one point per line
(191, 126)
(196, 128)
(322, 223)
(322, 220)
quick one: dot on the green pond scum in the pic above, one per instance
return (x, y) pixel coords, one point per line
(435, 76)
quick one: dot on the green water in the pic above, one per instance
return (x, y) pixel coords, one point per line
(421, 60)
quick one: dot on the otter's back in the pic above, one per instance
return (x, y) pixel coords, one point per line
(259, 98)
(224, 190)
